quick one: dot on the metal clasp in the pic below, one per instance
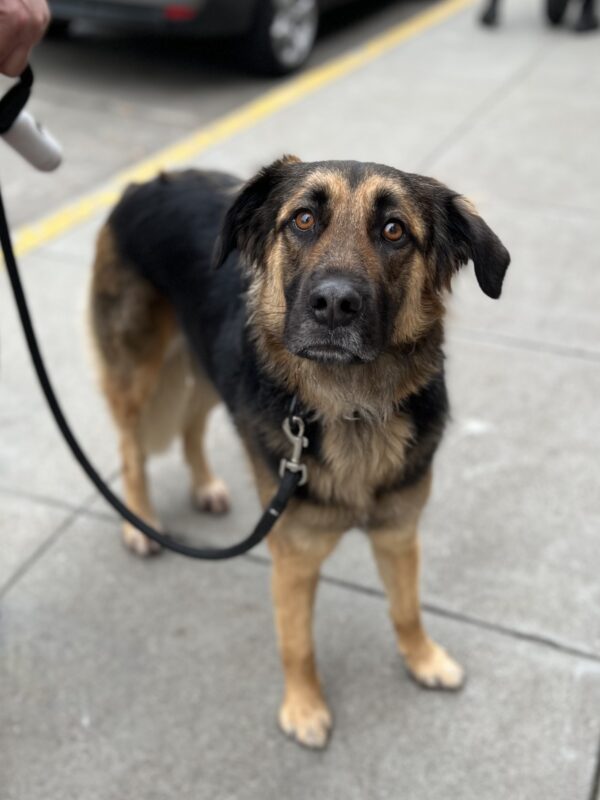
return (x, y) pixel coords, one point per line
(299, 442)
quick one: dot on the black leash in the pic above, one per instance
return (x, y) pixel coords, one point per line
(292, 472)
(15, 99)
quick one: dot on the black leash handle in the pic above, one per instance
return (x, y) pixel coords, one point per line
(15, 99)
(287, 486)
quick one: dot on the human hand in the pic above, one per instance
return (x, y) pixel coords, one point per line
(22, 25)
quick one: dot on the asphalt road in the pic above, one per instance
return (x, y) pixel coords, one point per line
(113, 98)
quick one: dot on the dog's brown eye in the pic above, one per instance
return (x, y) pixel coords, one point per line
(304, 220)
(393, 231)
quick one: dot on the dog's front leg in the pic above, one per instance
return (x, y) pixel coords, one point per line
(396, 549)
(298, 553)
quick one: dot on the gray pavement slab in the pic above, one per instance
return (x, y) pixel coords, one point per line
(550, 296)
(124, 678)
(76, 245)
(33, 457)
(553, 161)
(26, 527)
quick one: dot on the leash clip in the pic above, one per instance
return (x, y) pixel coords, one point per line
(299, 442)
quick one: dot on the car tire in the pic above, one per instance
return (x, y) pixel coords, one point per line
(283, 35)
(555, 9)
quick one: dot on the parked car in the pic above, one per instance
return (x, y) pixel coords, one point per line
(278, 35)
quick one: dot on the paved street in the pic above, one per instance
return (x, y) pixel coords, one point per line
(155, 680)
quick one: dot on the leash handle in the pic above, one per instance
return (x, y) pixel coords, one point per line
(289, 480)
(34, 143)
(20, 130)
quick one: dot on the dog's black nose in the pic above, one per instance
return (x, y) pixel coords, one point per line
(335, 302)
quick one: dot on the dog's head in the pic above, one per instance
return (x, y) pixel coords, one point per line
(348, 260)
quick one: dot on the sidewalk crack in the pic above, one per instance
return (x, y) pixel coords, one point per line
(483, 109)
(463, 334)
(456, 616)
(48, 542)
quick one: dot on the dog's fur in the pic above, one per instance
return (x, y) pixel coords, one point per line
(555, 10)
(203, 289)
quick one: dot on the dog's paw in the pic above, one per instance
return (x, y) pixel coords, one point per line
(308, 722)
(138, 543)
(212, 497)
(435, 669)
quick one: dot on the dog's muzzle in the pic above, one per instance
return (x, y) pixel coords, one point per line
(333, 319)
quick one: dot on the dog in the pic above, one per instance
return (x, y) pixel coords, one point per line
(324, 281)
(555, 10)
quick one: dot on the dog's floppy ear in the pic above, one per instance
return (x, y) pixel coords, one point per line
(249, 220)
(464, 237)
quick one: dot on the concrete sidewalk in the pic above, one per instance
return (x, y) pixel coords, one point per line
(126, 679)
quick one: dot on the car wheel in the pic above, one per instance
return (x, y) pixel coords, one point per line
(283, 35)
(555, 9)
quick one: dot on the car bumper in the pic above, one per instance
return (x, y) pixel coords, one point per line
(204, 17)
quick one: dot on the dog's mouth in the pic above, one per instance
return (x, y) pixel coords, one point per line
(342, 346)
(327, 353)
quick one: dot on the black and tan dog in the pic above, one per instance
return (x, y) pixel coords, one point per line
(324, 280)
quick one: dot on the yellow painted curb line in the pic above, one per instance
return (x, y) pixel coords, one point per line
(32, 236)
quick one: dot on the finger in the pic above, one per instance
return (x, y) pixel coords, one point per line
(16, 61)
(40, 21)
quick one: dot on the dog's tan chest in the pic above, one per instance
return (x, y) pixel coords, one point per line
(357, 459)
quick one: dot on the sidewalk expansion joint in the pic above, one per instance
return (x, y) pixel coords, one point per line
(83, 510)
(481, 336)
(595, 788)
(482, 110)
(63, 505)
(48, 542)
(40, 499)
(455, 616)
(37, 554)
